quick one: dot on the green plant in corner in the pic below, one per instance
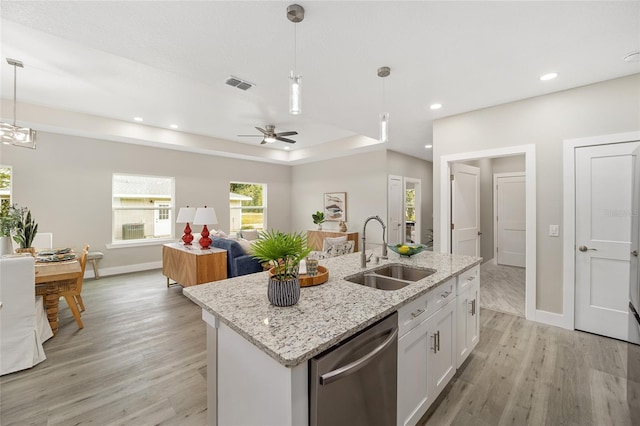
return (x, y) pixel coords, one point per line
(9, 219)
(26, 229)
(282, 251)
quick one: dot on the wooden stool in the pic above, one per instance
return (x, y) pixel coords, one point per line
(94, 256)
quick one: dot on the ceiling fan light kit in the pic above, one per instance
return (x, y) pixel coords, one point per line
(11, 134)
(295, 14)
(384, 72)
(269, 135)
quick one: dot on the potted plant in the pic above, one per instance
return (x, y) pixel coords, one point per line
(26, 230)
(318, 219)
(9, 218)
(283, 252)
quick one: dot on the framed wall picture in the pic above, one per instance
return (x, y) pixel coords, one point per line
(335, 206)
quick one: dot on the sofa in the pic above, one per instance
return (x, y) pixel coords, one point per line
(238, 262)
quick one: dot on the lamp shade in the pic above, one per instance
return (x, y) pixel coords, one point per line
(186, 215)
(205, 216)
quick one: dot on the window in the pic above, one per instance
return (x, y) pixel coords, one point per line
(247, 203)
(142, 207)
(5, 187)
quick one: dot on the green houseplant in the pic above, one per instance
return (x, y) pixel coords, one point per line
(26, 229)
(9, 218)
(318, 219)
(283, 252)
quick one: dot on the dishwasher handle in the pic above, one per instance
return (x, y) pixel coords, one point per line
(356, 365)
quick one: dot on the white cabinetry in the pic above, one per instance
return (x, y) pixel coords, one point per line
(426, 351)
(468, 314)
(437, 332)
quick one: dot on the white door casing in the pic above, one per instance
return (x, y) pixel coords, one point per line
(510, 219)
(603, 181)
(395, 210)
(465, 210)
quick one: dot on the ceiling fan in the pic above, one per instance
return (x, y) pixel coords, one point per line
(269, 135)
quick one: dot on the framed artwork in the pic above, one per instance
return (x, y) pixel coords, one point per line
(335, 206)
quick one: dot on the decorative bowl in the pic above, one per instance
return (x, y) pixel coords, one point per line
(407, 249)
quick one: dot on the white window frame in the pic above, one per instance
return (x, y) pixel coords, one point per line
(263, 207)
(144, 241)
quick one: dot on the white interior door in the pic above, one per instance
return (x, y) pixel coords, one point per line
(162, 219)
(510, 219)
(413, 228)
(465, 210)
(604, 175)
(395, 210)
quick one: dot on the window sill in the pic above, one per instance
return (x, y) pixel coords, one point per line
(140, 243)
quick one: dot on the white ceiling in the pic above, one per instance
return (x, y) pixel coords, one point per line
(167, 62)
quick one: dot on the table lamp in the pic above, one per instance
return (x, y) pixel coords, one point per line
(205, 216)
(186, 215)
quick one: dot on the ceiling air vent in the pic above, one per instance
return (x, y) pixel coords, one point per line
(239, 83)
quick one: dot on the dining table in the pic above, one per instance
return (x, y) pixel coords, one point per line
(49, 277)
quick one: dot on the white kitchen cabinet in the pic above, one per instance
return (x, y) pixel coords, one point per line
(468, 322)
(442, 357)
(426, 354)
(414, 392)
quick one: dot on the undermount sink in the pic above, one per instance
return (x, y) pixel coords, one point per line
(404, 272)
(390, 277)
(377, 281)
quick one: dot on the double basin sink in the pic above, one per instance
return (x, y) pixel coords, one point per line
(393, 276)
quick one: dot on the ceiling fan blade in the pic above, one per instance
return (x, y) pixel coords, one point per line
(285, 140)
(262, 130)
(263, 142)
(286, 133)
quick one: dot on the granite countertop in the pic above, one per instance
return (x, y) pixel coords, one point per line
(325, 314)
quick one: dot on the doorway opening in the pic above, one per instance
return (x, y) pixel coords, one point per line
(491, 161)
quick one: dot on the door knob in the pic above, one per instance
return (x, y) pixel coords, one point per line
(585, 248)
(635, 253)
(479, 233)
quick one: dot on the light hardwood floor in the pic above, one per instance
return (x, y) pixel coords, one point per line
(502, 288)
(140, 360)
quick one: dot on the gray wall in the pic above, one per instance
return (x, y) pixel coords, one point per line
(364, 178)
(604, 108)
(66, 182)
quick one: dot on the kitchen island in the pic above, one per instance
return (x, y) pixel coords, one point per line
(258, 353)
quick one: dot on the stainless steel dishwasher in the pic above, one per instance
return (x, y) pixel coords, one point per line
(355, 382)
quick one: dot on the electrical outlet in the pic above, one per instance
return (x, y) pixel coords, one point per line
(554, 230)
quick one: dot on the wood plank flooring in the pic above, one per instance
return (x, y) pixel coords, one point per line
(140, 360)
(526, 373)
(502, 288)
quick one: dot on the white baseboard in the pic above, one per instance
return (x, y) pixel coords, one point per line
(551, 318)
(117, 270)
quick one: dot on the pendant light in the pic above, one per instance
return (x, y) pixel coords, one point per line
(10, 134)
(295, 14)
(384, 72)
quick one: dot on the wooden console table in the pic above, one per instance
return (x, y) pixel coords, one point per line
(315, 238)
(191, 266)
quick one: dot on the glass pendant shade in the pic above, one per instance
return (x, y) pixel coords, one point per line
(295, 94)
(384, 127)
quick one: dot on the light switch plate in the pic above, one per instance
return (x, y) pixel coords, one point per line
(554, 230)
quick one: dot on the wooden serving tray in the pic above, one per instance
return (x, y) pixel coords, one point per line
(308, 281)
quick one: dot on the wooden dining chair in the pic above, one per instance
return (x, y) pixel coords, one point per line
(72, 290)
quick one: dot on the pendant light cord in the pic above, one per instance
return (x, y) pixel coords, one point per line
(295, 48)
(14, 95)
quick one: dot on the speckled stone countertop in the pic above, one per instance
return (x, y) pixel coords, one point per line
(325, 314)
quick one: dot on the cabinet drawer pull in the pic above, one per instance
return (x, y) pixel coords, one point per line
(445, 294)
(417, 313)
(471, 278)
(472, 306)
(438, 340)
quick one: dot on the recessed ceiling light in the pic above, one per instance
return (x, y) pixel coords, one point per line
(428, 146)
(436, 106)
(632, 57)
(137, 118)
(549, 76)
(173, 126)
(287, 148)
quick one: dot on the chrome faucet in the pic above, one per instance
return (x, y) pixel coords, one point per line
(364, 239)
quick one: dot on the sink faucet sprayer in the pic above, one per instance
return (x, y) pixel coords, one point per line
(364, 238)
